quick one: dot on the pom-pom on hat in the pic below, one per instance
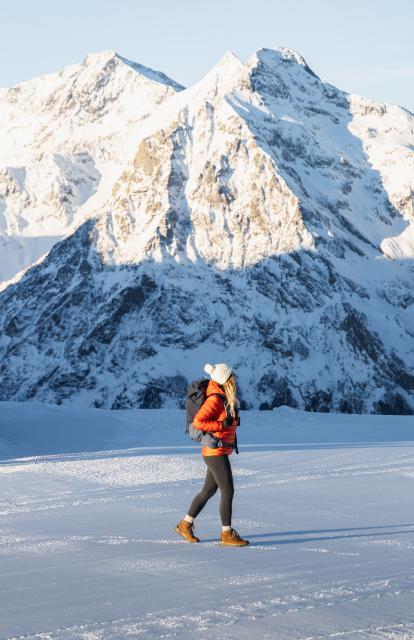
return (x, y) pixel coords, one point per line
(219, 372)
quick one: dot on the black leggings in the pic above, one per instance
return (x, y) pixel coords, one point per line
(218, 475)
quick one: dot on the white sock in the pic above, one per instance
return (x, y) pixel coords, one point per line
(188, 518)
(225, 528)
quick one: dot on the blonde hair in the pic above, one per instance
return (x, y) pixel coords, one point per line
(229, 388)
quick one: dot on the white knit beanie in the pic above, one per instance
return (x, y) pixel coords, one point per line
(219, 372)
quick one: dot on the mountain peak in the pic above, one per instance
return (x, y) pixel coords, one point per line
(219, 80)
(229, 58)
(101, 56)
(290, 54)
(112, 58)
(227, 67)
(281, 55)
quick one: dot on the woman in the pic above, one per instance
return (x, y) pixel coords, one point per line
(213, 417)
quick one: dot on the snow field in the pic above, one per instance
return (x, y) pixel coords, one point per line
(87, 548)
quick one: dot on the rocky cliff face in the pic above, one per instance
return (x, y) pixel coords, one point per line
(264, 218)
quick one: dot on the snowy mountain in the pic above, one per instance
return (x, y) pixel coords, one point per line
(261, 217)
(63, 139)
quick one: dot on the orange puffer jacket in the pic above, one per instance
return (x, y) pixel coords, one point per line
(209, 418)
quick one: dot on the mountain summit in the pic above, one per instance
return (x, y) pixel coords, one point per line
(261, 217)
(64, 138)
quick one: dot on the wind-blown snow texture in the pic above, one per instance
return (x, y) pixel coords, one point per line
(262, 217)
(88, 552)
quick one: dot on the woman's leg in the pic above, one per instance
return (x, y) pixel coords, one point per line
(221, 471)
(208, 490)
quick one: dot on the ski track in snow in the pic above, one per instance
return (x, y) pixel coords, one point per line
(88, 552)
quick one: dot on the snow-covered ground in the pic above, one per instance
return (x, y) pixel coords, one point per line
(87, 548)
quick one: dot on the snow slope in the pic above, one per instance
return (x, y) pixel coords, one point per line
(87, 549)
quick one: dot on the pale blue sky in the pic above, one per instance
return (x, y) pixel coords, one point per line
(361, 46)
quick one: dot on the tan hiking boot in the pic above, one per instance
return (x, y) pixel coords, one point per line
(232, 538)
(185, 529)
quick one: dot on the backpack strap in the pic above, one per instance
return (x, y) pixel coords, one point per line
(218, 395)
(226, 405)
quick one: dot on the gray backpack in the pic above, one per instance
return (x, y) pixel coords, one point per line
(196, 396)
